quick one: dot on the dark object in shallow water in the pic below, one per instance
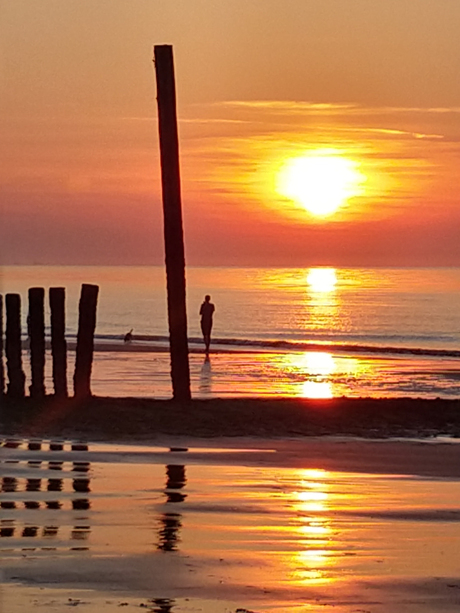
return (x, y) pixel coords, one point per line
(128, 336)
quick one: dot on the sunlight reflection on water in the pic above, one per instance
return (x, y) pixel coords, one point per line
(186, 524)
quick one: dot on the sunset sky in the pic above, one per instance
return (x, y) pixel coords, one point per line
(361, 97)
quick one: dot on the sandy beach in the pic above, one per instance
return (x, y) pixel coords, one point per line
(139, 419)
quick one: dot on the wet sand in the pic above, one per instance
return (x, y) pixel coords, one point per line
(220, 526)
(145, 505)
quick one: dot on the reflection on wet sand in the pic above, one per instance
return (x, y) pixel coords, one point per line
(55, 485)
(7, 504)
(175, 480)
(18, 525)
(315, 534)
(80, 533)
(81, 485)
(31, 504)
(168, 534)
(12, 444)
(162, 605)
(33, 485)
(9, 484)
(81, 467)
(205, 383)
(170, 522)
(7, 528)
(266, 537)
(81, 504)
(53, 504)
(30, 531)
(50, 531)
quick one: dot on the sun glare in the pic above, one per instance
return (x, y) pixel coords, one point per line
(322, 280)
(321, 182)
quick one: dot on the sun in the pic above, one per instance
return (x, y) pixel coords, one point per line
(322, 280)
(320, 181)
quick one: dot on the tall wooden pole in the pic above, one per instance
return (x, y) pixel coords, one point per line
(173, 231)
(37, 341)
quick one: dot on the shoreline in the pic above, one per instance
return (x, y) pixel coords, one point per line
(141, 419)
(143, 344)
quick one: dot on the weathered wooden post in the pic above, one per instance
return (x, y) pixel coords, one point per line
(85, 340)
(36, 326)
(13, 347)
(173, 231)
(2, 371)
(58, 342)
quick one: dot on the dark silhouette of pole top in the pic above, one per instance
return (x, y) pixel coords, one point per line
(206, 312)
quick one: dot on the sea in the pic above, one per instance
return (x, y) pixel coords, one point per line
(299, 332)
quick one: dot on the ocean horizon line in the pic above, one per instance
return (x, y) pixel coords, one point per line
(243, 266)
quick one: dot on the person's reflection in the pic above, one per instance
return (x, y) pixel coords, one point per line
(205, 385)
(168, 535)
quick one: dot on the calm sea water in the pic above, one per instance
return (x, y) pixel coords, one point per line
(309, 332)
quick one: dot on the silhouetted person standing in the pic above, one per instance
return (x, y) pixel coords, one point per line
(206, 311)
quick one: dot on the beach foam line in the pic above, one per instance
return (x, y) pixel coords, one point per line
(155, 343)
(220, 345)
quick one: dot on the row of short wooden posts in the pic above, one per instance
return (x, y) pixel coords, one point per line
(14, 379)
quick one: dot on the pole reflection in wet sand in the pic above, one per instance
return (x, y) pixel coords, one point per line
(233, 529)
(170, 521)
(23, 493)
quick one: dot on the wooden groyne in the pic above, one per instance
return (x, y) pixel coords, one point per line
(13, 383)
(85, 340)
